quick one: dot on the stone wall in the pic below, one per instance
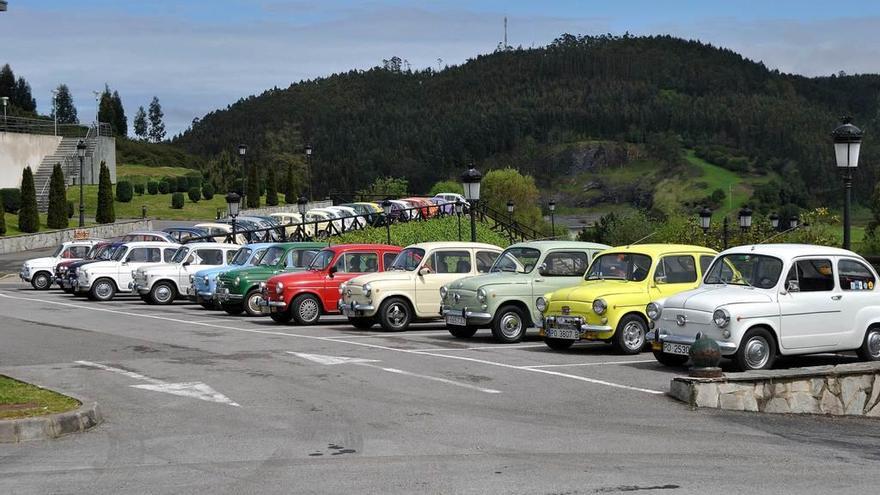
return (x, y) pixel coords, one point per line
(53, 238)
(848, 389)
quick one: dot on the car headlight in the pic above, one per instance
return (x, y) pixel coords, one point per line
(62, 269)
(600, 306)
(279, 287)
(237, 280)
(192, 279)
(721, 318)
(134, 274)
(206, 280)
(341, 289)
(368, 289)
(443, 292)
(481, 295)
(263, 285)
(654, 310)
(541, 304)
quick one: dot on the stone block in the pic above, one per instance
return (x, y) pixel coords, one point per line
(750, 403)
(875, 393)
(799, 386)
(850, 386)
(779, 389)
(33, 429)
(816, 386)
(830, 404)
(874, 412)
(776, 405)
(681, 391)
(803, 402)
(761, 391)
(7, 432)
(706, 395)
(856, 405)
(731, 402)
(833, 385)
(67, 423)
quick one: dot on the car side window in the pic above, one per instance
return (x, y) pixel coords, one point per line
(387, 259)
(209, 257)
(814, 275)
(361, 262)
(679, 269)
(137, 255)
(565, 264)
(705, 263)
(169, 253)
(853, 275)
(79, 251)
(449, 262)
(485, 260)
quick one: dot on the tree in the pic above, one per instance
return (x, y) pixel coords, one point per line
(124, 191)
(501, 186)
(7, 81)
(446, 186)
(140, 124)
(120, 123)
(28, 218)
(177, 201)
(253, 187)
(57, 216)
(194, 194)
(65, 111)
(207, 190)
(157, 127)
(385, 187)
(22, 97)
(105, 212)
(271, 188)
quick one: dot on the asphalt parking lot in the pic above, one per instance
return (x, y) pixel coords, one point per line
(198, 401)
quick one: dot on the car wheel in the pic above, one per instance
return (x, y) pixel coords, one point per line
(67, 290)
(41, 281)
(306, 309)
(233, 309)
(282, 317)
(102, 290)
(163, 293)
(870, 349)
(208, 306)
(629, 338)
(251, 302)
(395, 314)
(671, 360)
(362, 322)
(558, 344)
(757, 350)
(462, 332)
(509, 325)
(146, 298)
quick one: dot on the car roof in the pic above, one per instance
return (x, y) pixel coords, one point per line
(787, 251)
(158, 244)
(542, 245)
(212, 224)
(222, 245)
(288, 245)
(660, 249)
(452, 244)
(259, 245)
(355, 247)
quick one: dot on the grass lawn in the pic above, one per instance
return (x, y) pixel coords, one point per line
(158, 206)
(22, 400)
(142, 173)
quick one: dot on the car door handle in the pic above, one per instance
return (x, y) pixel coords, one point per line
(537, 280)
(836, 298)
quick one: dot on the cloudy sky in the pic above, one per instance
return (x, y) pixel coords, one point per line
(200, 55)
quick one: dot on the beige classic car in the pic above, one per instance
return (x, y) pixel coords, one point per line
(410, 288)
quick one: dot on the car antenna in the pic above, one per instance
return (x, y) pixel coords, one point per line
(642, 239)
(774, 236)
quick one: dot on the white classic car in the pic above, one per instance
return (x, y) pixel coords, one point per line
(40, 271)
(165, 282)
(409, 289)
(103, 279)
(762, 301)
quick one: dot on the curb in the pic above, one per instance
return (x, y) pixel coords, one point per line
(84, 418)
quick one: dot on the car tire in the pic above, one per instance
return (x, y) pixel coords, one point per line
(757, 350)
(208, 306)
(629, 337)
(870, 349)
(362, 322)
(41, 281)
(462, 332)
(509, 325)
(281, 317)
(67, 290)
(305, 309)
(163, 293)
(102, 289)
(558, 344)
(395, 314)
(250, 302)
(146, 298)
(233, 309)
(671, 360)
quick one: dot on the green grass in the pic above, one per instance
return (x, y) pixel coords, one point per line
(12, 224)
(22, 400)
(140, 174)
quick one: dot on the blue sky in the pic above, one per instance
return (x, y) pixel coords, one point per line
(200, 55)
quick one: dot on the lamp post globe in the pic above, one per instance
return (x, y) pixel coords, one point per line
(81, 154)
(745, 218)
(705, 219)
(233, 204)
(793, 222)
(552, 207)
(387, 206)
(302, 205)
(242, 151)
(308, 152)
(510, 207)
(471, 182)
(847, 144)
(774, 221)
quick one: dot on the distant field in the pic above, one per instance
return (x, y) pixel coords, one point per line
(140, 174)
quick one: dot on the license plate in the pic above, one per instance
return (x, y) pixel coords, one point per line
(562, 333)
(678, 349)
(459, 321)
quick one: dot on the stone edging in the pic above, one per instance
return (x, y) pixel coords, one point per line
(83, 418)
(52, 238)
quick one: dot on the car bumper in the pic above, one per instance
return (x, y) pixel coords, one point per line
(727, 348)
(225, 297)
(26, 276)
(582, 329)
(354, 310)
(470, 317)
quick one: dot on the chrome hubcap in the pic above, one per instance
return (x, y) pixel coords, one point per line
(41, 281)
(163, 293)
(633, 336)
(511, 325)
(308, 310)
(874, 343)
(103, 289)
(396, 314)
(757, 352)
(254, 303)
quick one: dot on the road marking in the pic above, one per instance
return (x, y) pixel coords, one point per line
(196, 390)
(332, 360)
(390, 335)
(591, 364)
(328, 339)
(495, 347)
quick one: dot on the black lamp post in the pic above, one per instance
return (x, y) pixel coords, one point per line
(471, 181)
(774, 221)
(302, 205)
(81, 153)
(793, 222)
(309, 168)
(847, 143)
(510, 207)
(705, 219)
(459, 209)
(386, 207)
(745, 218)
(233, 204)
(552, 207)
(242, 152)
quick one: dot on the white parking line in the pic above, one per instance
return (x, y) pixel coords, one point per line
(591, 364)
(327, 339)
(390, 335)
(495, 347)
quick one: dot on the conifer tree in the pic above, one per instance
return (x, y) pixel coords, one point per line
(253, 187)
(271, 188)
(290, 186)
(64, 107)
(105, 212)
(57, 217)
(28, 218)
(140, 124)
(120, 123)
(157, 127)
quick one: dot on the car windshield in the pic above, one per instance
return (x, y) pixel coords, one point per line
(321, 261)
(753, 270)
(518, 259)
(57, 251)
(120, 253)
(96, 251)
(107, 253)
(408, 259)
(620, 266)
(241, 256)
(272, 256)
(180, 255)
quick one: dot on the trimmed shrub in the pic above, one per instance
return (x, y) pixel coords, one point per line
(182, 184)
(153, 187)
(208, 191)
(124, 191)
(71, 209)
(105, 212)
(177, 201)
(194, 194)
(139, 188)
(56, 218)
(28, 218)
(11, 199)
(164, 187)
(193, 181)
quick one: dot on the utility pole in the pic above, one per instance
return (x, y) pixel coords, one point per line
(505, 33)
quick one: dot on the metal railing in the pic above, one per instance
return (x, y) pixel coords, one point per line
(47, 127)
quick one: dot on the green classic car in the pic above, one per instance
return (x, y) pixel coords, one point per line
(504, 298)
(239, 289)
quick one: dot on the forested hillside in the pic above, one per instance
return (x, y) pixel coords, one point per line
(521, 106)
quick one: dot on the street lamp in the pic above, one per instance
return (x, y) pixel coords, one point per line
(847, 143)
(552, 206)
(745, 218)
(309, 168)
(793, 222)
(98, 95)
(242, 151)
(705, 219)
(233, 204)
(510, 218)
(302, 205)
(55, 108)
(5, 100)
(774, 221)
(81, 153)
(386, 207)
(459, 209)
(471, 181)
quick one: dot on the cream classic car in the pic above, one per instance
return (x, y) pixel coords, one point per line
(39, 271)
(165, 282)
(410, 288)
(103, 279)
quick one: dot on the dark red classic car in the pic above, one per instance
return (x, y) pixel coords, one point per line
(304, 296)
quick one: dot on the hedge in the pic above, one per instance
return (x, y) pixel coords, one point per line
(124, 191)
(177, 201)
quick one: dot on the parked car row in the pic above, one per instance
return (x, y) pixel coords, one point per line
(757, 302)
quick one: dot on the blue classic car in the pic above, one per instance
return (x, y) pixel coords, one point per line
(204, 282)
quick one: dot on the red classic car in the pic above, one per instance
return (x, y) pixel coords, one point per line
(304, 296)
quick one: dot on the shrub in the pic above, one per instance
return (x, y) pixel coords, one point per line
(208, 191)
(56, 218)
(28, 218)
(193, 194)
(124, 191)
(182, 184)
(138, 188)
(177, 201)
(71, 209)
(153, 187)
(105, 212)
(271, 188)
(164, 187)
(193, 181)
(11, 199)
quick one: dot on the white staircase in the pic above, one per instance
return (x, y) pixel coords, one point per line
(65, 154)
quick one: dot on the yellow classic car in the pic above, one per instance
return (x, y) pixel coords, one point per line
(609, 304)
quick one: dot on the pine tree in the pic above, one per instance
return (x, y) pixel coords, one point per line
(28, 218)
(106, 112)
(253, 187)
(157, 127)
(64, 108)
(22, 97)
(57, 217)
(7, 81)
(105, 212)
(290, 186)
(140, 124)
(271, 188)
(120, 126)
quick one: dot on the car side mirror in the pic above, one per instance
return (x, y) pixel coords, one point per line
(125, 263)
(793, 286)
(660, 279)
(424, 270)
(542, 270)
(332, 271)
